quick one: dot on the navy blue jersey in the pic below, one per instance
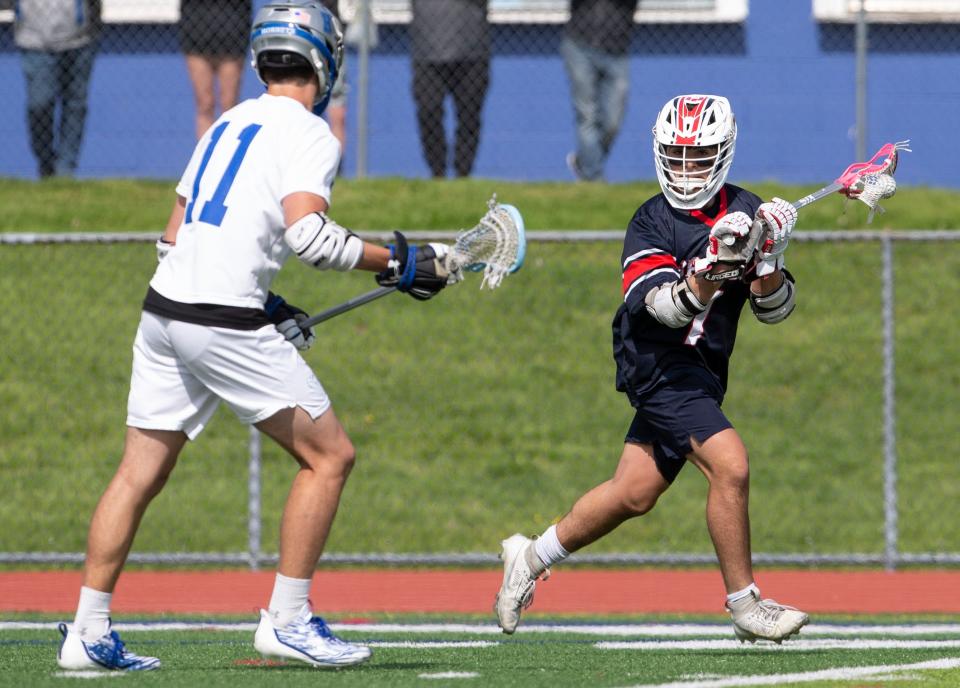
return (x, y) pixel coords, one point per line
(660, 246)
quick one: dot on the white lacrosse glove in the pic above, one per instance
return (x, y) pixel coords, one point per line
(287, 318)
(300, 337)
(777, 218)
(728, 243)
(163, 248)
(454, 270)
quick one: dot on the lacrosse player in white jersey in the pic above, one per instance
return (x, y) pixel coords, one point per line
(255, 192)
(690, 264)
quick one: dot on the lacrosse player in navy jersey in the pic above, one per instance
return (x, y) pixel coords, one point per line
(254, 193)
(690, 263)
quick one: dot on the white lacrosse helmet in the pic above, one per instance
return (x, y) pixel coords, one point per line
(298, 34)
(684, 124)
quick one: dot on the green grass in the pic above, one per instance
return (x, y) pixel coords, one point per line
(57, 205)
(481, 413)
(528, 659)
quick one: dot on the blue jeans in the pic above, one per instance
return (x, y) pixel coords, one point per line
(598, 83)
(57, 78)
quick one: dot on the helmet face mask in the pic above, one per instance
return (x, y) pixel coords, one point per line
(292, 34)
(693, 144)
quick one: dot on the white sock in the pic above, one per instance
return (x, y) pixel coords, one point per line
(93, 614)
(740, 594)
(548, 547)
(290, 596)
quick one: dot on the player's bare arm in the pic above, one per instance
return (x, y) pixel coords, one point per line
(767, 284)
(176, 219)
(169, 237)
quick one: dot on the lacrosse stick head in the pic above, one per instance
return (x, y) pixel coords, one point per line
(496, 246)
(872, 181)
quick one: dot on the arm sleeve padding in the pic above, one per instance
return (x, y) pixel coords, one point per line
(673, 304)
(321, 243)
(775, 306)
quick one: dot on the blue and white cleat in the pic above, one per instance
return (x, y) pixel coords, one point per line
(306, 639)
(108, 653)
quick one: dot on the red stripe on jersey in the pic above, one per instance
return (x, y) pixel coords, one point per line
(641, 266)
(710, 221)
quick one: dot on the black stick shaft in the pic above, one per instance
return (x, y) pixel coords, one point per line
(347, 306)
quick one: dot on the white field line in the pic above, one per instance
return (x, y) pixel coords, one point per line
(837, 674)
(677, 630)
(450, 674)
(432, 644)
(790, 645)
(88, 674)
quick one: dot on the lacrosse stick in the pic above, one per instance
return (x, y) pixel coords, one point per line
(497, 246)
(869, 181)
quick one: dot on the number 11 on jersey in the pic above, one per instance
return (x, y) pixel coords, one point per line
(213, 210)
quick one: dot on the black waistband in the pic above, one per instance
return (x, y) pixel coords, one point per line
(210, 314)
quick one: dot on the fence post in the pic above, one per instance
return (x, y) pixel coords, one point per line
(861, 78)
(363, 86)
(891, 555)
(253, 500)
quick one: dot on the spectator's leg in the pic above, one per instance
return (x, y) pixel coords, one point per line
(337, 119)
(39, 70)
(584, 92)
(336, 112)
(201, 77)
(75, 69)
(428, 95)
(470, 81)
(229, 75)
(612, 100)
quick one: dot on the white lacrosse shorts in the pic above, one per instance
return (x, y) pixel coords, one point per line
(181, 371)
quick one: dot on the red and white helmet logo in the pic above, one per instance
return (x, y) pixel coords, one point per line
(689, 111)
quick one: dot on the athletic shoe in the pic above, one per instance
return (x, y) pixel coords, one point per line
(306, 639)
(107, 652)
(521, 569)
(574, 166)
(757, 619)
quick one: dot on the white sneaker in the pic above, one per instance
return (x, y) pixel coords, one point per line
(306, 639)
(574, 166)
(106, 653)
(521, 569)
(757, 619)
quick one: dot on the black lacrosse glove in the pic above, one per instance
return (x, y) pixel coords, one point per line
(287, 318)
(414, 270)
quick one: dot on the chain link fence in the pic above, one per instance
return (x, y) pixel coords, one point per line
(535, 89)
(515, 418)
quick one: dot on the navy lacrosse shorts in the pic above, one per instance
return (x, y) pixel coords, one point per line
(683, 403)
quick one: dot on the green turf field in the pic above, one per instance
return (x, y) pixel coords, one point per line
(478, 414)
(58, 205)
(597, 653)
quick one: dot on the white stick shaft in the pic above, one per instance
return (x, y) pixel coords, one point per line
(817, 195)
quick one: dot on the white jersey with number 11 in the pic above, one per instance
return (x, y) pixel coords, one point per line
(230, 245)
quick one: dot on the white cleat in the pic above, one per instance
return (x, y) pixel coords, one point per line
(106, 653)
(521, 569)
(758, 619)
(306, 639)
